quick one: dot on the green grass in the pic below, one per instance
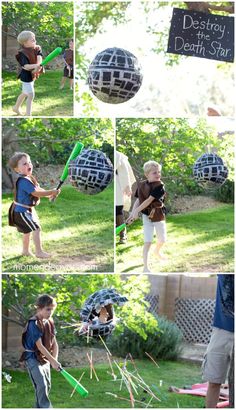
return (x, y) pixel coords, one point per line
(19, 393)
(197, 241)
(77, 229)
(49, 100)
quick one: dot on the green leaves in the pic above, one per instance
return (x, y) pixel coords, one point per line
(52, 22)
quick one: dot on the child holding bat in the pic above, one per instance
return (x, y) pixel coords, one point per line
(29, 58)
(41, 349)
(68, 57)
(27, 194)
(150, 196)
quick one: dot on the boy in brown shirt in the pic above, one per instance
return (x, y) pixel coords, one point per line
(150, 202)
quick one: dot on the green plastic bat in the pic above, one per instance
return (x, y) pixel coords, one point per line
(51, 56)
(74, 383)
(120, 228)
(75, 152)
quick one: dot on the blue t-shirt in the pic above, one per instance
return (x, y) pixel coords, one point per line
(224, 309)
(33, 334)
(24, 188)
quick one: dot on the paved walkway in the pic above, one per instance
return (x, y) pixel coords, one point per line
(193, 352)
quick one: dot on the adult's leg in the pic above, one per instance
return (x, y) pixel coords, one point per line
(119, 221)
(39, 252)
(212, 396)
(216, 363)
(231, 381)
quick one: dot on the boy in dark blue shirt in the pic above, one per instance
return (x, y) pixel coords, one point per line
(218, 355)
(41, 349)
(27, 192)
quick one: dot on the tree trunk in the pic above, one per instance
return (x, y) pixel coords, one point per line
(206, 7)
(9, 146)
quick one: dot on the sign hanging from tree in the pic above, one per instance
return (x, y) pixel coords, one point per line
(204, 35)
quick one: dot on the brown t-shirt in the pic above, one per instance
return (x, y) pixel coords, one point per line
(156, 210)
(68, 56)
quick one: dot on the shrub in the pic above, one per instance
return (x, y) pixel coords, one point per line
(165, 343)
(226, 192)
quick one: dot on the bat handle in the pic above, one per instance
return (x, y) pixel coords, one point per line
(58, 187)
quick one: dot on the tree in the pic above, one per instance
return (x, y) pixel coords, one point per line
(52, 22)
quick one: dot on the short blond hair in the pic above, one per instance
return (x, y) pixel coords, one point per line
(149, 165)
(13, 161)
(24, 36)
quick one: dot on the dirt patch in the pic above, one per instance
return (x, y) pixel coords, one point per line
(187, 203)
(68, 357)
(49, 175)
(82, 263)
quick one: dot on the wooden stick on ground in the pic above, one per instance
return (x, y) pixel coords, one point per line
(150, 357)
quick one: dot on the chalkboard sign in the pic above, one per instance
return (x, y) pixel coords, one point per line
(204, 35)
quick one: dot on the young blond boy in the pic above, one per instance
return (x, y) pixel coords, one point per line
(29, 58)
(150, 196)
(27, 192)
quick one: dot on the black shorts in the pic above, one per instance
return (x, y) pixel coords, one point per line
(26, 222)
(67, 73)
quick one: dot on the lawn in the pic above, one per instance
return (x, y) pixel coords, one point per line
(19, 393)
(77, 230)
(197, 242)
(49, 100)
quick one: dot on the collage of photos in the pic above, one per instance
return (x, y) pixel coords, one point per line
(117, 240)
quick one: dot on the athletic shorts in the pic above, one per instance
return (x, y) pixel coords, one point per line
(26, 222)
(216, 361)
(148, 229)
(28, 88)
(68, 73)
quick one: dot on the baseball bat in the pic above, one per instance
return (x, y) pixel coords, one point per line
(51, 56)
(75, 152)
(74, 383)
(120, 228)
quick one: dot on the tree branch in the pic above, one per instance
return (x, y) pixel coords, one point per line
(7, 319)
(206, 7)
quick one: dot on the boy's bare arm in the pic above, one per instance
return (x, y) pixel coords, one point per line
(39, 59)
(39, 193)
(131, 217)
(29, 67)
(54, 363)
(139, 207)
(145, 204)
(55, 349)
(136, 204)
